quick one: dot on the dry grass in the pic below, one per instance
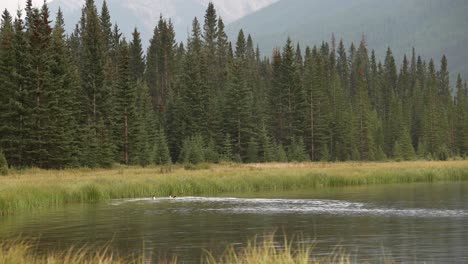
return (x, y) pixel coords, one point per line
(22, 253)
(35, 188)
(268, 251)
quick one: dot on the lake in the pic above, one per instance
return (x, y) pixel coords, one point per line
(409, 223)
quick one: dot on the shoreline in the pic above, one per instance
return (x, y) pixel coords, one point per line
(34, 189)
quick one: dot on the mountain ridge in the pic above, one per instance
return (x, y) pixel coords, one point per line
(144, 14)
(433, 27)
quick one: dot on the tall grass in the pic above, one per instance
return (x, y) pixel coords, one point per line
(267, 250)
(23, 253)
(35, 189)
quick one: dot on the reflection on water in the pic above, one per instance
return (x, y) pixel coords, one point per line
(421, 222)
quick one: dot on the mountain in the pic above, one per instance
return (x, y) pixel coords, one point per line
(434, 27)
(144, 14)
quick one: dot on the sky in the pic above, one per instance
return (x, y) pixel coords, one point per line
(12, 5)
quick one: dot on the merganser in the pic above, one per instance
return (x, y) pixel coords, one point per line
(172, 197)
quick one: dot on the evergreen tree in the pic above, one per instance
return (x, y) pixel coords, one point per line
(91, 99)
(267, 150)
(252, 151)
(125, 107)
(144, 127)
(364, 141)
(3, 164)
(227, 154)
(195, 97)
(8, 131)
(461, 115)
(317, 105)
(62, 110)
(192, 150)
(97, 97)
(238, 102)
(162, 150)
(211, 154)
(222, 55)
(137, 58)
(297, 151)
(291, 87)
(281, 155)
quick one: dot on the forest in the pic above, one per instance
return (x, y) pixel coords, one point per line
(94, 99)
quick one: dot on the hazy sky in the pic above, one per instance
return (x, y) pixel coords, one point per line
(12, 5)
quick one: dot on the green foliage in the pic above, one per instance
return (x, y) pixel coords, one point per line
(227, 149)
(3, 164)
(443, 153)
(192, 150)
(398, 151)
(91, 99)
(281, 155)
(162, 155)
(297, 151)
(211, 155)
(252, 151)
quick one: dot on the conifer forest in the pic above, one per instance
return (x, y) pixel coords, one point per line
(93, 98)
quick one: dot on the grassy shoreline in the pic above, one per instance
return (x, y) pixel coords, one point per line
(35, 189)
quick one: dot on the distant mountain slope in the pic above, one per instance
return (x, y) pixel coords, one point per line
(144, 14)
(434, 27)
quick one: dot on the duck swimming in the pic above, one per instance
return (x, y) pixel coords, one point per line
(172, 197)
(154, 197)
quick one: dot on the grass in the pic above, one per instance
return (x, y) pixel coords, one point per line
(35, 189)
(268, 250)
(22, 253)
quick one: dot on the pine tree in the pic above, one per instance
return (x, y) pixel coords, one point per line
(222, 55)
(364, 141)
(281, 155)
(211, 154)
(3, 164)
(252, 151)
(195, 97)
(238, 102)
(210, 32)
(39, 142)
(106, 26)
(297, 151)
(317, 124)
(277, 109)
(125, 107)
(97, 104)
(267, 150)
(227, 154)
(407, 149)
(137, 58)
(8, 135)
(144, 127)
(192, 150)
(62, 109)
(461, 115)
(162, 155)
(293, 93)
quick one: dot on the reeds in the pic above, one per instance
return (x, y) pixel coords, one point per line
(266, 250)
(270, 250)
(35, 189)
(23, 253)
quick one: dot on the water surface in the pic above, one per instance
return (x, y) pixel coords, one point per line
(410, 223)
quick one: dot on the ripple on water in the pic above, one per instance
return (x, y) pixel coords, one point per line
(283, 206)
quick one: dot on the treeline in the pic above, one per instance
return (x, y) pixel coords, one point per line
(94, 99)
